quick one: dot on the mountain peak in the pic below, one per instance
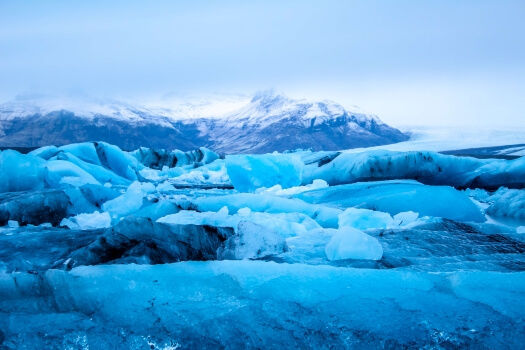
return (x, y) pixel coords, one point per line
(268, 122)
(268, 95)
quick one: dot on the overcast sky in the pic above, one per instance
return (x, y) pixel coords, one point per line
(410, 62)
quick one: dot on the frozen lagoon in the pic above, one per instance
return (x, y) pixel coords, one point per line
(387, 263)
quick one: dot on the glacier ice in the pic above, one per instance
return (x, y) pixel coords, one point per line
(12, 224)
(20, 172)
(159, 158)
(329, 257)
(285, 224)
(279, 191)
(325, 216)
(127, 203)
(250, 172)
(35, 207)
(406, 217)
(165, 187)
(394, 197)
(143, 241)
(61, 173)
(252, 241)
(363, 219)
(351, 243)
(101, 174)
(157, 210)
(118, 161)
(224, 304)
(507, 202)
(88, 221)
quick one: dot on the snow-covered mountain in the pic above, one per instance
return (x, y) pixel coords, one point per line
(233, 124)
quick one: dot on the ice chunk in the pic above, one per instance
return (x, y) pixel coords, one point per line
(121, 163)
(148, 188)
(507, 202)
(20, 172)
(427, 167)
(13, 224)
(278, 190)
(478, 194)
(363, 219)
(127, 203)
(398, 196)
(165, 187)
(61, 172)
(85, 151)
(92, 221)
(157, 210)
(101, 174)
(285, 224)
(160, 158)
(252, 241)
(34, 207)
(350, 243)
(520, 229)
(250, 172)
(325, 216)
(406, 217)
(96, 194)
(45, 152)
(141, 240)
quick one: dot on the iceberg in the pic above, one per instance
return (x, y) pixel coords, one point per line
(351, 243)
(363, 219)
(140, 240)
(34, 208)
(325, 216)
(13, 224)
(510, 203)
(395, 197)
(20, 172)
(285, 224)
(251, 241)
(159, 158)
(249, 172)
(60, 173)
(91, 221)
(127, 203)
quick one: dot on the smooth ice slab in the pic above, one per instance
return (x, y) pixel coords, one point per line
(394, 197)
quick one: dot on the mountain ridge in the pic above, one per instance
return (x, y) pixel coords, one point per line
(266, 122)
